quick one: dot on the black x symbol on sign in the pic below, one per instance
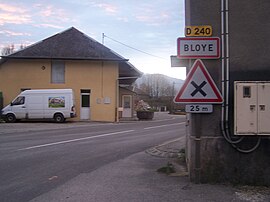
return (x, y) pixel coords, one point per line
(198, 88)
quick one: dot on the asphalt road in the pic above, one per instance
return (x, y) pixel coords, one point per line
(36, 158)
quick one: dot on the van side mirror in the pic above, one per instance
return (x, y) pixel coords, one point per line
(11, 104)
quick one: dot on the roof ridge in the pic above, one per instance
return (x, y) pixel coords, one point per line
(67, 44)
(27, 47)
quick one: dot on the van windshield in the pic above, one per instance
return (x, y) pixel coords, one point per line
(19, 101)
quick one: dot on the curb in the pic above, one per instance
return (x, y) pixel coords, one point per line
(154, 151)
(166, 150)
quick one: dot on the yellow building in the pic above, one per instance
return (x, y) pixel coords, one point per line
(71, 59)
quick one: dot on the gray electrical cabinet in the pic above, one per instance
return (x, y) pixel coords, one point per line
(252, 108)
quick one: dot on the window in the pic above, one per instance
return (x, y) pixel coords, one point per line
(85, 96)
(58, 72)
(87, 91)
(18, 101)
(127, 101)
(85, 100)
(246, 91)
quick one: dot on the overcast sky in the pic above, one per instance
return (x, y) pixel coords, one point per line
(150, 26)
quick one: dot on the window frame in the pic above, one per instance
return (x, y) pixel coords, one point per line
(58, 71)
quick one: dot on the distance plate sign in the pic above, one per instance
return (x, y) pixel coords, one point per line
(199, 108)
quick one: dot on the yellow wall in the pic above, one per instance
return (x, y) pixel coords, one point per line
(99, 77)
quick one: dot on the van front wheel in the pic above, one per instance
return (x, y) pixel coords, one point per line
(10, 118)
(59, 118)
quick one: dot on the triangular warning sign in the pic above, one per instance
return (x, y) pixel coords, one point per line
(198, 87)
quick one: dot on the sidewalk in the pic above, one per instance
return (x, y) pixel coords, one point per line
(135, 179)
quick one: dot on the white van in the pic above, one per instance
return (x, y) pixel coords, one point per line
(57, 104)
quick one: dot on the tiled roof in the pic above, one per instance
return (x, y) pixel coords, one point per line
(69, 44)
(75, 45)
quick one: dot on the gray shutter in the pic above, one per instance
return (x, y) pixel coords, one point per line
(58, 72)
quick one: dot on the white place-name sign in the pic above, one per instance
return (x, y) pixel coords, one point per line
(198, 48)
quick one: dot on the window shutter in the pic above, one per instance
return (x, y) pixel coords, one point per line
(58, 72)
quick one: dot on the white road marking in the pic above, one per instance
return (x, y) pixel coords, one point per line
(171, 141)
(173, 124)
(92, 137)
(75, 140)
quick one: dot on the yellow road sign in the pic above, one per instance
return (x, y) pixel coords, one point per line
(201, 30)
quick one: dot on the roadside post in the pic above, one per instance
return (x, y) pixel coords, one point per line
(199, 91)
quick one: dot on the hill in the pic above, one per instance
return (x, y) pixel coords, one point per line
(160, 79)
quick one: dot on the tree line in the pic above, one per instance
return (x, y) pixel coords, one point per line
(158, 90)
(156, 85)
(9, 49)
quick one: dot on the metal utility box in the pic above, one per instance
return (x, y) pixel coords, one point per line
(252, 108)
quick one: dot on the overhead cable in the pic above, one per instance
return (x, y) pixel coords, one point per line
(103, 35)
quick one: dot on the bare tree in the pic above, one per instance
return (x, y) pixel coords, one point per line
(156, 85)
(161, 89)
(22, 46)
(7, 50)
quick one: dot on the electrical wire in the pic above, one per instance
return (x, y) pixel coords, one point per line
(103, 35)
(225, 83)
(251, 149)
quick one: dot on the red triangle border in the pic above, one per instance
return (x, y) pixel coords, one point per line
(199, 64)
